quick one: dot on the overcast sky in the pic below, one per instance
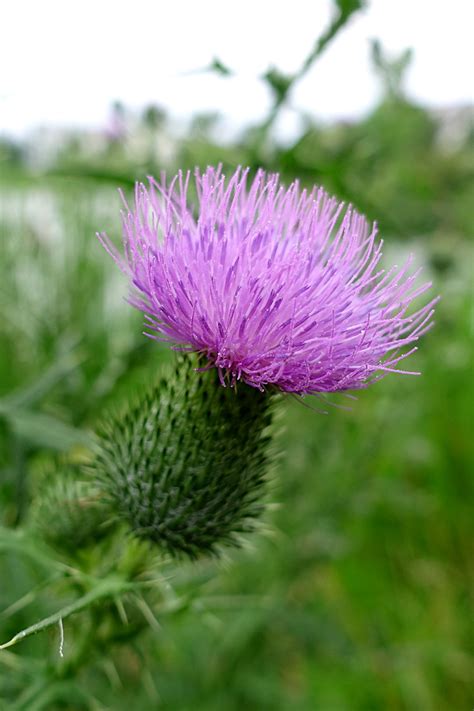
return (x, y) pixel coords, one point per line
(64, 62)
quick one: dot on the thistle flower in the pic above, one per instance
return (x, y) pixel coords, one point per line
(277, 288)
(273, 286)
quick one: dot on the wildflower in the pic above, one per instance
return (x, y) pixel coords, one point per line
(273, 286)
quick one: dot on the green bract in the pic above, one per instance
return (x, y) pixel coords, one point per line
(185, 465)
(69, 510)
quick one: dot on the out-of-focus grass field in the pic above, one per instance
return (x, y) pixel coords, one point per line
(358, 597)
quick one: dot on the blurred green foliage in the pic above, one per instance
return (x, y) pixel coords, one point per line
(358, 596)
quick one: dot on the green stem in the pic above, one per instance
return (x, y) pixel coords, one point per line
(342, 16)
(106, 588)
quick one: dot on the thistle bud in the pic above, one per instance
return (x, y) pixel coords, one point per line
(185, 466)
(68, 511)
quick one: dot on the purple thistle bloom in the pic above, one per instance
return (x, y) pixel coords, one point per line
(274, 286)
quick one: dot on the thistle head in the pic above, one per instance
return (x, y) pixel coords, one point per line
(272, 285)
(185, 466)
(69, 510)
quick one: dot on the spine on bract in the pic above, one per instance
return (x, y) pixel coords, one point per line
(185, 466)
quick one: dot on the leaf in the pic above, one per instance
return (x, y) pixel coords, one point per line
(347, 7)
(110, 587)
(21, 544)
(218, 67)
(31, 394)
(280, 83)
(392, 71)
(45, 430)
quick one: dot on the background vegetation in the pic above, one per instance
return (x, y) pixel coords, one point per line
(357, 594)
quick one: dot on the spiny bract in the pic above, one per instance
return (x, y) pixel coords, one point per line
(68, 509)
(186, 465)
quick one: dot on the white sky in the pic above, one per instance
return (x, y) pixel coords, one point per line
(63, 62)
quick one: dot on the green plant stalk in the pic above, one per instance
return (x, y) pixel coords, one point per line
(344, 12)
(108, 588)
